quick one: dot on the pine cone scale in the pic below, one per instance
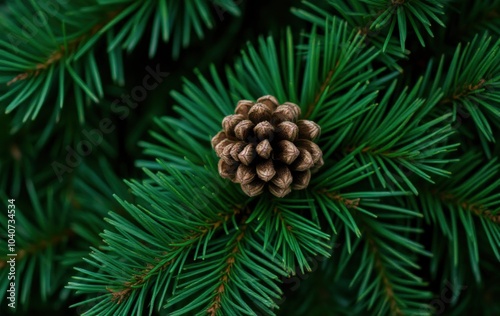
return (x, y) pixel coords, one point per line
(247, 155)
(264, 149)
(265, 170)
(287, 152)
(243, 129)
(304, 161)
(245, 174)
(283, 177)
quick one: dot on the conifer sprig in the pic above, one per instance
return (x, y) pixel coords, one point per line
(466, 209)
(64, 39)
(470, 82)
(389, 16)
(216, 232)
(406, 203)
(53, 217)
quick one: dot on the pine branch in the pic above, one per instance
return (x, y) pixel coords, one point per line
(292, 235)
(377, 15)
(177, 260)
(472, 191)
(178, 250)
(40, 246)
(56, 218)
(385, 267)
(61, 56)
(400, 136)
(476, 17)
(156, 256)
(215, 305)
(258, 73)
(317, 13)
(470, 83)
(36, 62)
(244, 274)
(42, 237)
(193, 243)
(322, 89)
(381, 271)
(63, 52)
(478, 210)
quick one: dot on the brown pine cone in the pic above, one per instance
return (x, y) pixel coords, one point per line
(265, 145)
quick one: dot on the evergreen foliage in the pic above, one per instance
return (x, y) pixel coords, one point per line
(405, 208)
(53, 44)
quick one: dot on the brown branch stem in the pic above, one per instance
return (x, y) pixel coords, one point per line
(310, 107)
(379, 265)
(478, 210)
(40, 246)
(58, 54)
(120, 295)
(463, 93)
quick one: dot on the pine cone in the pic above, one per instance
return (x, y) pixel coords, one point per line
(265, 145)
